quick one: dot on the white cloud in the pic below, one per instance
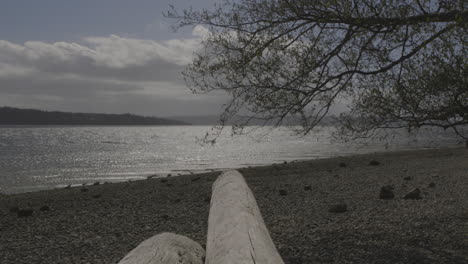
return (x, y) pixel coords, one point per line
(113, 65)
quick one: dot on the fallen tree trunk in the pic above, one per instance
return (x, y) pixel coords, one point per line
(166, 248)
(236, 230)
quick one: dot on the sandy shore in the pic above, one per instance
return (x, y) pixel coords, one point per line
(105, 222)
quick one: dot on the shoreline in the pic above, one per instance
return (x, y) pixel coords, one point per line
(103, 223)
(184, 172)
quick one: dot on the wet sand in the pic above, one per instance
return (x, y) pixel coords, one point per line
(101, 224)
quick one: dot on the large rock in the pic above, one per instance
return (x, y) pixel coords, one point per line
(386, 192)
(166, 248)
(338, 208)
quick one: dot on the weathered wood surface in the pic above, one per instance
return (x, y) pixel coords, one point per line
(166, 248)
(236, 231)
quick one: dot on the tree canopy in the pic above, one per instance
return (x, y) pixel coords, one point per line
(392, 63)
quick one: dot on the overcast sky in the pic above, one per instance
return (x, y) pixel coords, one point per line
(112, 56)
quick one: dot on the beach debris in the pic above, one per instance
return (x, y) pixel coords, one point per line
(338, 208)
(432, 185)
(14, 209)
(25, 212)
(96, 183)
(163, 180)
(44, 208)
(407, 178)
(414, 194)
(196, 179)
(386, 192)
(84, 190)
(374, 163)
(307, 188)
(283, 192)
(342, 164)
(97, 196)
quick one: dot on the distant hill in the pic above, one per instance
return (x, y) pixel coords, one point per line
(16, 116)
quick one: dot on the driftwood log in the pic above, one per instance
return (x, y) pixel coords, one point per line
(166, 248)
(236, 231)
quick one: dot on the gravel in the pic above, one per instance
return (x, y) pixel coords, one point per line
(103, 224)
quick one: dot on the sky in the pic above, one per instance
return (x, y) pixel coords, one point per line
(106, 56)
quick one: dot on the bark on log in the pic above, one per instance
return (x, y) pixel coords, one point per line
(166, 248)
(236, 231)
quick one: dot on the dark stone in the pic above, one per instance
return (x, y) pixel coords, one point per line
(84, 190)
(407, 178)
(307, 188)
(207, 199)
(414, 194)
(165, 216)
(195, 179)
(386, 192)
(285, 162)
(342, 165)
(283, 192)
(374, 163)
(96, 196)
(96, 183)
(431, 185)
(68, 186)
(163, 180)
(338, 208)
(14, 209)
(169, 175)
(25, 212)
(44, 208)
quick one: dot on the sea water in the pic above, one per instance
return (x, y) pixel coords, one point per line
(34, 158)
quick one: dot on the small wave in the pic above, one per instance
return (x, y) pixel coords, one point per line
(113, 142)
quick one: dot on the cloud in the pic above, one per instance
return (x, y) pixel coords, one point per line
(143, 71)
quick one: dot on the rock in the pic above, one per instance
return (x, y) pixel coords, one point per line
(96, 183)
(285, 162)
(195, 179)
(165, 216)
(169, 175)
(407, 178)
(283, 192)
(68, 186)
(338, 208)
(163, 180)
(414, 194)
(307, 188)
(44, 208)
(14, 209)
(25, 212)
(342, 165)
(96, 196)
(386, 192)
(432, 185)
(84, 190)
(169, 185)
(374, 163)
(207, 199)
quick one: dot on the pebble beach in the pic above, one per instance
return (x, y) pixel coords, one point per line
(318, 211)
